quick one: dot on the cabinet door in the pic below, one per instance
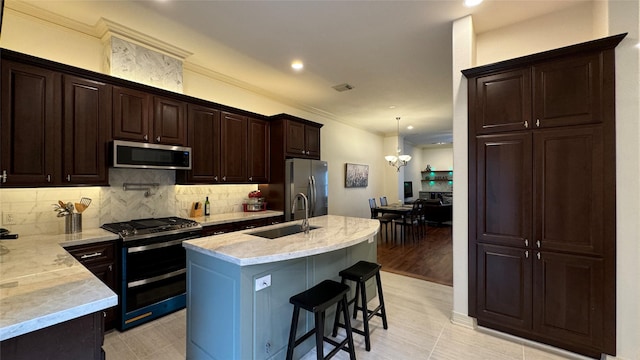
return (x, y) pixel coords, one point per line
(233, 150)
(503, 192)
(168, 121)
(568, 91)
(106, 273)
(295, 139)
(504, 286)
(502, 102)
(569, 297)
(258, 148)
(569, 190)
(203, 128)
(87, 116)
(30, 125)
(130, 114)
(312, 142)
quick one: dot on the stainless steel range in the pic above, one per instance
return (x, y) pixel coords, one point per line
(153, 267)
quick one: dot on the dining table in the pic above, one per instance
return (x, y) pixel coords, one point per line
(401, 210)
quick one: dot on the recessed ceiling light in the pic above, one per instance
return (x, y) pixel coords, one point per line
(297, 65)
(410, 127)
(392, 107)
(471, 3)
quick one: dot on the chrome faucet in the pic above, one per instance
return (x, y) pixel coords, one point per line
(305, 221)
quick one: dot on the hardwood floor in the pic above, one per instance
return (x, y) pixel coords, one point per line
(427, 258)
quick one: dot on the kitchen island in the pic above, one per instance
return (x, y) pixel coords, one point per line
(239, 284)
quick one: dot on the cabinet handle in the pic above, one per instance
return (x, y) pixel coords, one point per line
(88, 256)
(215, 178)
(537, 122)
(218, 232)
(146, 137)
(526, 254)
(302, 152)
(526, 242)
(158, 139)
(307, 152)
(110, 267)
(48, 177)
(538, 255)
(224, 178)
(249, 227)
(526, 124)
(538, 244)
(250, 178)
(4, 176)
(68, 177)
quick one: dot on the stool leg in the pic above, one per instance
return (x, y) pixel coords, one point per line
(292, 333)
(347, 325)
(381, 298)
(355, 301)
(319, 318)
(365, 315)
(336, 319)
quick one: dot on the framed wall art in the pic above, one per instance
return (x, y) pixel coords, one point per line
(356, 175)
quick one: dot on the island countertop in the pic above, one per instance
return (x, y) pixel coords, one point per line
(42, 285)
(332, 233)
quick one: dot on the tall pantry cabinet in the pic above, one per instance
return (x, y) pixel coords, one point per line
(542, 196)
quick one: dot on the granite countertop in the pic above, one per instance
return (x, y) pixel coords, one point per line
(218, 219)
(242, 248)
(43, 285)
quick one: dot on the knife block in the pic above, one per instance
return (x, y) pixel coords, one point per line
(196, 210)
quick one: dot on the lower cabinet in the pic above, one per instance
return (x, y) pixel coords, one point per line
(568, 292)
(100, 259)
(240, 225)
(79, 338)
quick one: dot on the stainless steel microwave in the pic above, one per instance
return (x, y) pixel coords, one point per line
(128, 154)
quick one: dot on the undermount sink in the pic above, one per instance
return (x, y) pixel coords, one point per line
(280, 232)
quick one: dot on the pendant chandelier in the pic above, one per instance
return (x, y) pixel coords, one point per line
(398, 160)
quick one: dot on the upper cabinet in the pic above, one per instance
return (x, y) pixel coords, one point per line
(300, 138)
(227, 148)
(55, 127)
(558, 92)
(86, 130)
(140, 116)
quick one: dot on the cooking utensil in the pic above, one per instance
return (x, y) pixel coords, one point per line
(80, 207)
(70, 207)
(85, 201)
(62, 204)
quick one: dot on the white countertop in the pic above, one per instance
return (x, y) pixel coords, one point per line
(241, 248)
(217, 219)
(43, 285)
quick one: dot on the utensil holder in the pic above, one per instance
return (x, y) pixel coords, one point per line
(73, 223)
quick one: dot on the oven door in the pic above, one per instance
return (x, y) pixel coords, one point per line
(154, 278)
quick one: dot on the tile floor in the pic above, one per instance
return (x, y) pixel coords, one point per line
(419, 328)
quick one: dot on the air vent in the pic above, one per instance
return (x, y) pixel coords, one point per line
(343, 87)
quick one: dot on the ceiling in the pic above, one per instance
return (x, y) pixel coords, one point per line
(394, 53)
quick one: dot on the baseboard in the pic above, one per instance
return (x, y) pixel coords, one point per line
(461, 319)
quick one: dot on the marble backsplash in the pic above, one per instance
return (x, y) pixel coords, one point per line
(33, 212)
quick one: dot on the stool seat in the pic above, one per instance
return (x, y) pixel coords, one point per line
(359, 273)
(317, 300)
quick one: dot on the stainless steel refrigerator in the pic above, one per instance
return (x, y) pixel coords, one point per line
(311, 178)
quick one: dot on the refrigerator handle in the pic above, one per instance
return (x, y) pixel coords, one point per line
(312, 197)
(315, 194)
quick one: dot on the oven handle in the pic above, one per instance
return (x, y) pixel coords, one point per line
(155, 278)
(136, 249)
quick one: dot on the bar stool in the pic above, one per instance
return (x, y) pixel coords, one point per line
(316, 300)
(360, 273)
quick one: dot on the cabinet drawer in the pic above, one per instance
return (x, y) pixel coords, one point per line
(93, 253)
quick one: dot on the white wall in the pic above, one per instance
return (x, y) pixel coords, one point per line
(620, 16)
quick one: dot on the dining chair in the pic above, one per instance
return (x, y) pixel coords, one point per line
(386, 219)
(411, 222)
(383, 201)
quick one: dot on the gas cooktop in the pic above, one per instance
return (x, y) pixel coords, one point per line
(144, 228)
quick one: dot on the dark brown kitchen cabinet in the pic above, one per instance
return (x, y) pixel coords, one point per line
(203, 136)
(101, 260)
(233, 148)
(258, 156)
(143, 117)
(552, 93)
(31, 123)
(86, 132)
(542, 197)
(130, 114)
(302, 140)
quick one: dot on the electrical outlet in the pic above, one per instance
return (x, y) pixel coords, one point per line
(9, 218)
(263, 282)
